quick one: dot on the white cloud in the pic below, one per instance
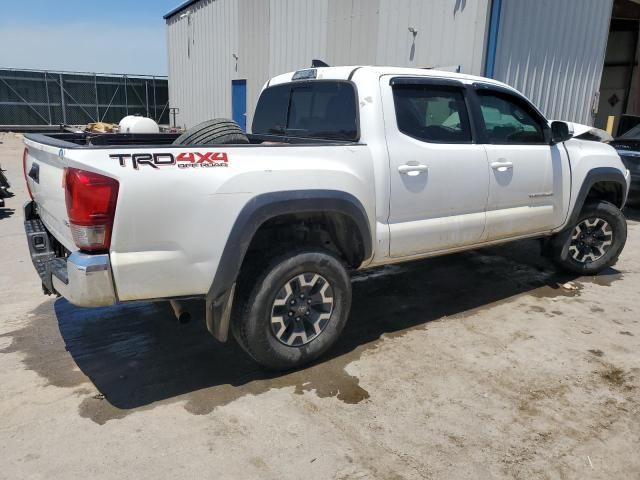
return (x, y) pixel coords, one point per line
(85, 47)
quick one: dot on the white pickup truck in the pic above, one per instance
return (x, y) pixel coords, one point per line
(347, 168)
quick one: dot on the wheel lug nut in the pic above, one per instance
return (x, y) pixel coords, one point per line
(291, 314)
(292, 302)
(307, 312)
(309, 301)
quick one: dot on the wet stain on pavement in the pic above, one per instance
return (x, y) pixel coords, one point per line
(617, 377)
(135, 356)
(44, 349)
(536, 309)
(604, 279)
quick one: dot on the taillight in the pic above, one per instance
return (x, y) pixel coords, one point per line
(24, 169)
(91, 205)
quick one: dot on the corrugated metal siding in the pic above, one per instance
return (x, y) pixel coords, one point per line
(275, 36)
(201, 65)
(352, 32)
(253, 62)
(298, 33)
(553, 52)
(450, 32)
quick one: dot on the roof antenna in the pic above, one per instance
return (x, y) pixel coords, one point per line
(315, 63)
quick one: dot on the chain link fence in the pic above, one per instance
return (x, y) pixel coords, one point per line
(38, 97)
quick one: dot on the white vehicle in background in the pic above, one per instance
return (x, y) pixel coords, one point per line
(347, 168)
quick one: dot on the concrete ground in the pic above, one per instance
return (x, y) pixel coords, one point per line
(485, 364)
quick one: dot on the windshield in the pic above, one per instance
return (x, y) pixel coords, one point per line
(633, 134)
(313, 109)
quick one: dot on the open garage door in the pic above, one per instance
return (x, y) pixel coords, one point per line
(620, 85)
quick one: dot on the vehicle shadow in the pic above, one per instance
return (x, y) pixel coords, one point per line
(6, 212)
(632, 213)
(137, 354)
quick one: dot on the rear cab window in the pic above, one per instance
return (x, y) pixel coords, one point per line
(324, 109)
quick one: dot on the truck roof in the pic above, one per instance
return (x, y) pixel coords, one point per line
(348, 72)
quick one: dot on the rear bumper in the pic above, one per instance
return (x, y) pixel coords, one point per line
(83, 279)
(88, 281)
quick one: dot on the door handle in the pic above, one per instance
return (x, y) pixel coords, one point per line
(412, 170)
(502, 166)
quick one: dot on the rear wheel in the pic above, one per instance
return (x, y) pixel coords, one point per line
(216, 131)
(594, 242)
(294, 310)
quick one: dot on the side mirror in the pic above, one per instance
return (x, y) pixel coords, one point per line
(560, 132)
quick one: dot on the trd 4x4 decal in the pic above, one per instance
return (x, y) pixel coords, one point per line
(182, 159)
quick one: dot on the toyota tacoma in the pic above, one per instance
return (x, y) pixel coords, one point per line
(346, 168)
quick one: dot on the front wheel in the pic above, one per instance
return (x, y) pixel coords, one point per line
(294, 310)
(594, 242)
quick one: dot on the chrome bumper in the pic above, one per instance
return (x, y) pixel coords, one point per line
(88, 281)
(82, 278)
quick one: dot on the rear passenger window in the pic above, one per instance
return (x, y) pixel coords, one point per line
(509, 120)
(431, 113)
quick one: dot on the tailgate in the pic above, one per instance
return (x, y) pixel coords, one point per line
(44, 166)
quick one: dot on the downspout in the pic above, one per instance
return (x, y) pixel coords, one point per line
(492, 43)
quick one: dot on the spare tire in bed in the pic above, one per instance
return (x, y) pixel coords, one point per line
(216, 131)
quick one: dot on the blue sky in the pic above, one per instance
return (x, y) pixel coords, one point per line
(116, 36)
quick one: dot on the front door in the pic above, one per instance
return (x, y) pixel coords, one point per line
(439, 177)
(527, 175)
(239, 102)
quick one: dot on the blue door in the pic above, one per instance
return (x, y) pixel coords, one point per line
(239, 102)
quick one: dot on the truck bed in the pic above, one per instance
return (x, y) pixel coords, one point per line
(173, 219)
(138, 140)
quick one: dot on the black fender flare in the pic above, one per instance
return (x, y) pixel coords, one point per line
(596, 175)
(256, 211)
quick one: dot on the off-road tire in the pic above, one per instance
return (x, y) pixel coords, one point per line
(213, 132)
(560, 249)
(260, 288)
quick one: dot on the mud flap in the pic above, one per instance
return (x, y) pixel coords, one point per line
(218, 314)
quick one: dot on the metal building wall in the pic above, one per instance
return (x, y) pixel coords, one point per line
(298, 33)
(270, 37)
(352, 32)
(449, 33)
(553, 51)
(200, 43)
(253, 49)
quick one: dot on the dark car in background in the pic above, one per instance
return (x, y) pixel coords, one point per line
(628, 147)
(4, 187)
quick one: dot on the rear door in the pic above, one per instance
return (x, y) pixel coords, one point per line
(439, 176)
(528, 176)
